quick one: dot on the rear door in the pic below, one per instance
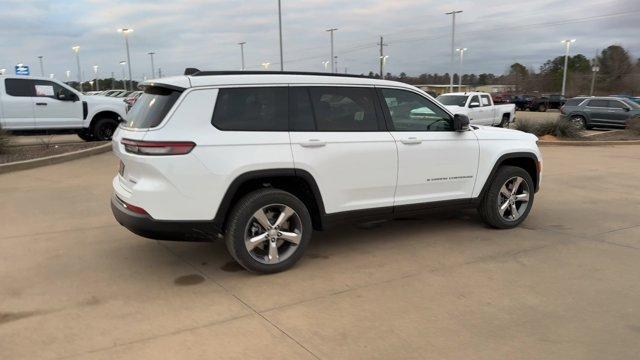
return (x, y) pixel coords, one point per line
(598, 110)
(338, 136)
(17, 104)
(50, 112)
(435, 163)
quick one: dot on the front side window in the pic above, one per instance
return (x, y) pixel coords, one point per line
(453, 100)
(152, 107)
(344, 108)
(44, 88)
(20, 87)
(412, 112)
(617, 104)
(251, 109)
(475, 101)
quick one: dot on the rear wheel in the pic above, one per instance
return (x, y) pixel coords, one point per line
(509, 199)
(579, 121)
(505, 121)
(542, 107)
(268, 231)
(85, 135)
(103, 129)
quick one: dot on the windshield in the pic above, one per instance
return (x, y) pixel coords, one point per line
(151, 107)
(457, 100)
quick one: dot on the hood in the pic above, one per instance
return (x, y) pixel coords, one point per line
(455, 109)
(99, 99)
(496, 133)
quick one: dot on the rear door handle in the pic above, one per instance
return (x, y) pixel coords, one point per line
(313, 143)
(41, 104)
(411, 141)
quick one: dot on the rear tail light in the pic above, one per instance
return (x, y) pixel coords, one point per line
(157, 147)
(132, 208)
(562, 110)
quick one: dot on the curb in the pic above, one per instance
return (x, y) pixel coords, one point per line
(587, 143)
(54, 159)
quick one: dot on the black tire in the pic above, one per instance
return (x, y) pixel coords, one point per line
(241, 218)
(85, 135)
(103, 129)
(505, 121)
(489, 208)
(542, 108)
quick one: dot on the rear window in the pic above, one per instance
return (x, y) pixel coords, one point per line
(252, 109)
(574, 102)
(152, 106)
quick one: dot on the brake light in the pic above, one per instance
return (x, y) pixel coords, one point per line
(157, 147)
(562, 110)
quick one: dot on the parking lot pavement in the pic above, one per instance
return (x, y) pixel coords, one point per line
(44, 139)
(74, 284)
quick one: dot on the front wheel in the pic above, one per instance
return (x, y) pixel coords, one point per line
(103, 129)
(509, 198)
(85, 135)
(268, 231)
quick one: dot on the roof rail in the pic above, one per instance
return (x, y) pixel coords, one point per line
(196, 72)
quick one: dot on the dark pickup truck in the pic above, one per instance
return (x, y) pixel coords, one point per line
(539, 103)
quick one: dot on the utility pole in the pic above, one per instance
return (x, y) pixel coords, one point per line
(159, 73)
(41, 65)
(95, 73)
(382, 57)
(242, 54)
(594, 68)
(453, 42)
(335, 62)
(461, 51)
(333, 66)
(113, 78)
(280, 29)
(125, 32)
(153, 68)
(566, 63)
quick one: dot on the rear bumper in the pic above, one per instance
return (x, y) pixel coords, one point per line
(145, 226)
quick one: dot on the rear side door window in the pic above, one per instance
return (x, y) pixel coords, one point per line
(251, 109)
(344, 108)
(20, 87)
(598, 103)
(300, 110)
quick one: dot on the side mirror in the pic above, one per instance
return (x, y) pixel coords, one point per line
(474, 105)
(626, 108)
(460, 122)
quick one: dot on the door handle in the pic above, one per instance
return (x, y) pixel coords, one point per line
(411, 141)
(41, 104)
(313, 143)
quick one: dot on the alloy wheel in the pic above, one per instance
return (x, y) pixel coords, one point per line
(513, 198)
(273, 234)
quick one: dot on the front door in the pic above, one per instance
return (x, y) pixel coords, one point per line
(435, 163)
(51, 112)
(618, 113)
(338, 136)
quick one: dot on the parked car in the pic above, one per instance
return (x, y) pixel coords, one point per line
(37, 103)
(501, 98)
(539, 103)
(479, 107)
(589, 112)
(265, 158)
(131, 99)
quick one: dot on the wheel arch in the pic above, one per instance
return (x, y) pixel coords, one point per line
(104, 114)
(525, 160)
(298, 182)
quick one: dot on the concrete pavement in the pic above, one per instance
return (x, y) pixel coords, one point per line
(75, 285)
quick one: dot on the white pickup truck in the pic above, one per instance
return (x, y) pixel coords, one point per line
(479, 107)
(37, 103)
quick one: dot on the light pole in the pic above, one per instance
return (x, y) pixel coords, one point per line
(595, 68)
(68, 73)
(125, 32)
(461, 51)
(95, 74)
(41, 65)
(242, 54)
(326, 65)
(383, 62)
(265, 65)
(77, 51)
(566, 63)
(331, 31)
(453, 41)
(280, 30)
(124, 76)
(153, 68)
(51, 76)
(2, 71)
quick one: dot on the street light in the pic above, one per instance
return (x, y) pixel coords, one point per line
(51, 76)
(124, 76)
(76, 49)
(153, 68)
(331, 31)
(383, 62)
(453, 41)
(566, 62)
(461, 51)
(265, 65)
(91, 84)
(595, 68)
(242, 54)
(326, 64)
(68, 73)
(41, 65)
(95, 73)
(2, 71)
(125, 33)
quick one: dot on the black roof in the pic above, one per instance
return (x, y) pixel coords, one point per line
(196, 72)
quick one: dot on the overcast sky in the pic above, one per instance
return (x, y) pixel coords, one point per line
(204, 34)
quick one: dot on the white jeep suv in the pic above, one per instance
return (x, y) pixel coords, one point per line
(265, 158)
